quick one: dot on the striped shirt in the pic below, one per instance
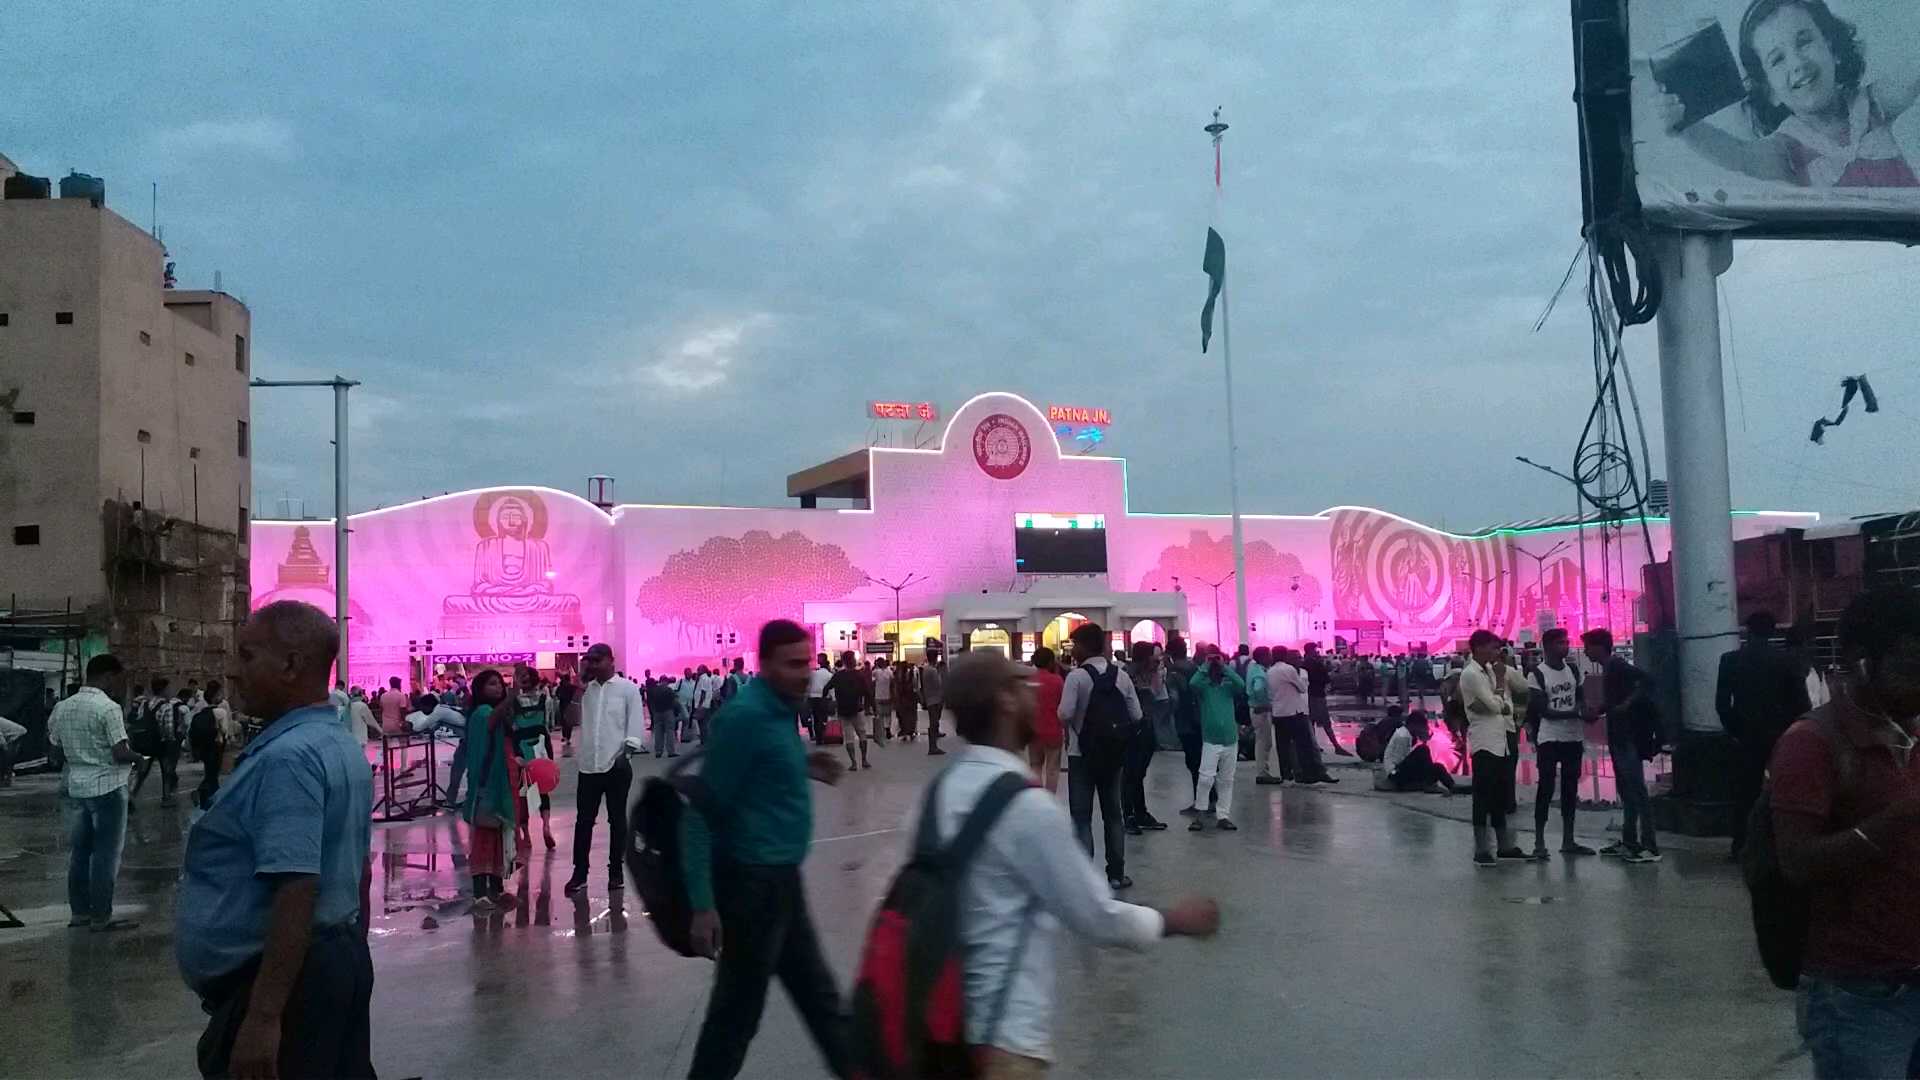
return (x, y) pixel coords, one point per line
(86, 727)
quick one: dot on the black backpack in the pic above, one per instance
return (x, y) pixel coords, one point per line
(143, 729)
(1106, 725)
(201, 730)
(909, 998)
(1782, 910)
(653, 850)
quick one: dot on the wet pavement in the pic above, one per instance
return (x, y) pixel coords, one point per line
(1358, 941)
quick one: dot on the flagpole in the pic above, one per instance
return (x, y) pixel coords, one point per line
(1218, 130)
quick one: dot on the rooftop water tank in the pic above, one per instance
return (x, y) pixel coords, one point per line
(22, 186)
(78, 185)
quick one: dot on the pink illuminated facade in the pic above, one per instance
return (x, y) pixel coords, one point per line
(536, 570)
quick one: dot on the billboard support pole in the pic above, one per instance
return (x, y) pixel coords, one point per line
(1694, 405)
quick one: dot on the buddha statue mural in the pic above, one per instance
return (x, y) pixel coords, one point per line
(512, 566)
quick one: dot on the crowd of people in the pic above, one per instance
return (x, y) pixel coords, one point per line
(273, 893)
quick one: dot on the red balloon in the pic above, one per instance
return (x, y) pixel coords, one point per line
(544, 774)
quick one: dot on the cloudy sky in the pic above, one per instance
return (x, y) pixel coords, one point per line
(684, 244)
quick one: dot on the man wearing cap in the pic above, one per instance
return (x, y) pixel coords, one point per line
(612, 720)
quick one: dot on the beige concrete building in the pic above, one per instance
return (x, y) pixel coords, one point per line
(124, 444)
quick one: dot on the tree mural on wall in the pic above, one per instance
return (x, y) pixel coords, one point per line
(1271, 573)
(737, 584)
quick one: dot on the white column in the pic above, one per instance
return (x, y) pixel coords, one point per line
(1695, 412)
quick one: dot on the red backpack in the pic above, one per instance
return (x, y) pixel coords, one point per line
(909, 1002)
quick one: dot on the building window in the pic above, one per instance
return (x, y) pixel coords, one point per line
(3, 318)
(26, 535)
(63, 318)
(243, 524)
(24, 419)
(146, 338)
(243, 437)
(239, 353)
(143, 436)
(189, 359)
(193, 453)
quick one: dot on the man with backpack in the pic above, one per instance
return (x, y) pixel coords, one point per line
(1631, 740)
(203, 738)
(1843, 800)
(1099, 710)
(742, 866)
(992, 879)
(154, 733)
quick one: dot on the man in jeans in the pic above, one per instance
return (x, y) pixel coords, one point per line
(1845, 792)
(89, 744)
(611, 722)
(743, 868)
(1094, 764)
(1623, 691)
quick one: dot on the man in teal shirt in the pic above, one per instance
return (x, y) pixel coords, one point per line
(743, 869)
(1216, 685)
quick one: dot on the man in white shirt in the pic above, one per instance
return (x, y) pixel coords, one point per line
(88, 738)
(1407, 764)
(1025, 881)
(1299, 754)
(1094, 765)
(1483, 690)
(817, 680)
(703, 703)
(882, 694)
(612, 720)
(1558, 732)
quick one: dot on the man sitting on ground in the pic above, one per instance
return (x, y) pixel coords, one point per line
(1408, 765)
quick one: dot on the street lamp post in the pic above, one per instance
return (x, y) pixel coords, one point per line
(1540, 570)
(1579, 524)
(898, 634)
(340, 387)
(1215, 586)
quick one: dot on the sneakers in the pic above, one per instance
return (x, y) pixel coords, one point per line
(1577, 849)
(1199, 825)
(1227, 825)
(1513, 853)
(1152, 824)
(1615, 849)
(1638, 855)
(1539, 855)
(1135, 830)
(1119, 883)
(1264, 780)
(574, 885)
(1485, 860)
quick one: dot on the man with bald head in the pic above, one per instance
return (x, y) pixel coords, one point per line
(271, 914)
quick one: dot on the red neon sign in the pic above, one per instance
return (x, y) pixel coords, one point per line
(903, 410)
(1077, 414)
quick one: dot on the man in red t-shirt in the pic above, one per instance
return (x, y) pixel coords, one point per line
(1848, 828)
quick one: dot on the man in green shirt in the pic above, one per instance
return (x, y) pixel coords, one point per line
(743, 867)
(1216, 685)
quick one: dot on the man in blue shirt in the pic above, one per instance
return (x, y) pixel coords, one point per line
(271, 915)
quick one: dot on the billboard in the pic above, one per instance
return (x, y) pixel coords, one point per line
(1777, 117)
